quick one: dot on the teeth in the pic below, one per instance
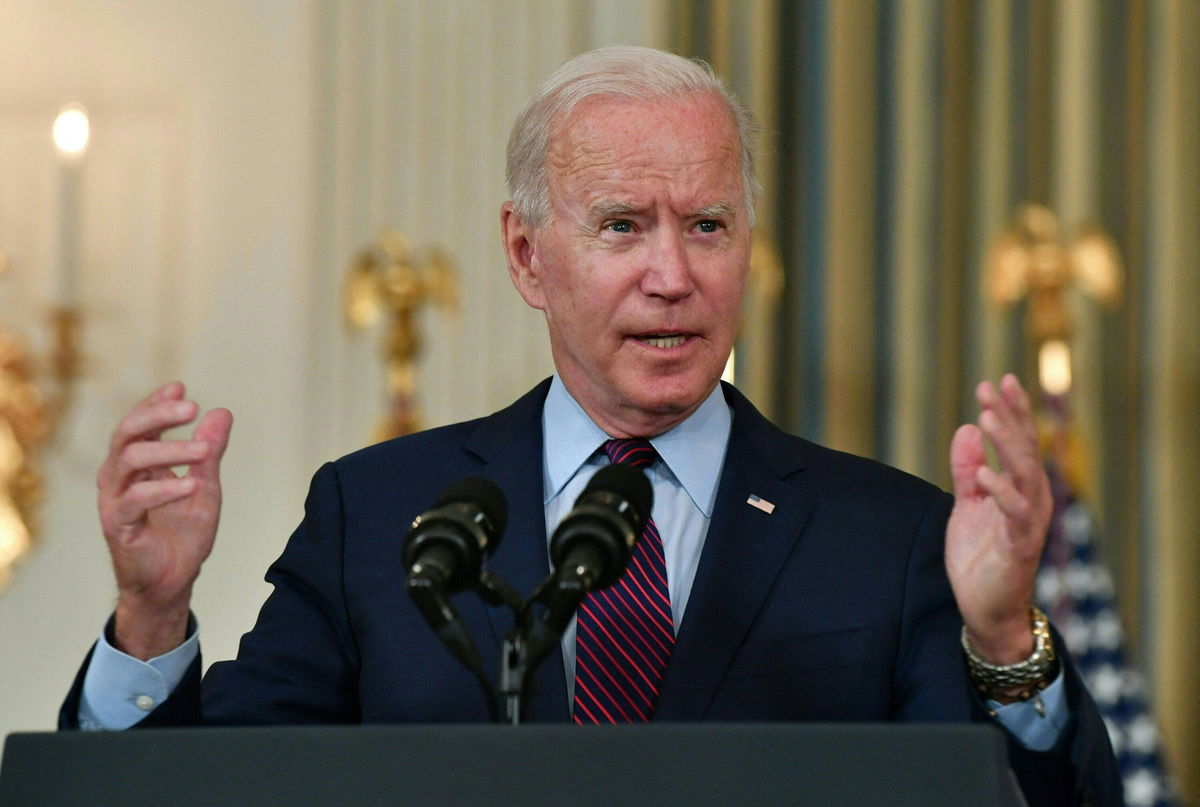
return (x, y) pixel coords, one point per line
(664, 341)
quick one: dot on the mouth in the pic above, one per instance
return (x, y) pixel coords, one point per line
(663, 340)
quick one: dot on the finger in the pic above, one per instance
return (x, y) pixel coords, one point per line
(985, 394)
(1015, 442)
(992, 400)
(169, 391)
(213, 429)
(1006, 418)
(142, 497)
(1021, 404)
(967, 455)
(1010, 500)
(149, 419)
(150, 455)
(1017, 453)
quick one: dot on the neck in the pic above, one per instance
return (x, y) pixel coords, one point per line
(623, 420)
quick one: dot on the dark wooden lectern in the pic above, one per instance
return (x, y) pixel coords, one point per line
(673, 764)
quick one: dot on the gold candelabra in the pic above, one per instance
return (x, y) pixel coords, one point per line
(388, 278)
(33, 401)
(35, 395)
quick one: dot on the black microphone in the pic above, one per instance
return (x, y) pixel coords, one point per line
(447, 544)
(590, 549)
(594, 542)
(444, 553)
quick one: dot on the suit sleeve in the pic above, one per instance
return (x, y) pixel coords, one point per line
(299, 664)
(932, 684)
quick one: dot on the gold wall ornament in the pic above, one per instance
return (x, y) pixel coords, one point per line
(1031, 259)
(388, 279)
(30, 413)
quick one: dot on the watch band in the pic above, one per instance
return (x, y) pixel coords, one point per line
(1009, 683)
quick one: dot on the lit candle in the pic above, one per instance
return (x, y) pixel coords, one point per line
(1054, 367)
(71, 133)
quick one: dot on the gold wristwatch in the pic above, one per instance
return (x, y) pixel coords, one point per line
(1011, 683)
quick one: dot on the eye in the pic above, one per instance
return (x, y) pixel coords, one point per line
(619, 226)
(708, 226)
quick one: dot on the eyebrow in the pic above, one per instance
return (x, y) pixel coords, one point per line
(607, 210)
(716, 210)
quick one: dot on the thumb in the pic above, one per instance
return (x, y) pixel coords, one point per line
(967, 456)
(213, 429)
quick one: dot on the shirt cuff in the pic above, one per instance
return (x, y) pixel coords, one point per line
(120, 690)
(1031, 729)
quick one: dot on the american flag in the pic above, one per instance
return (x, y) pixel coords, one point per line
(1076, 591)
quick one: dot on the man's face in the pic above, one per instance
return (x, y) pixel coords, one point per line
(641, 267)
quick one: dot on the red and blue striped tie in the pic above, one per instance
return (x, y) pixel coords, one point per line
(625, 634)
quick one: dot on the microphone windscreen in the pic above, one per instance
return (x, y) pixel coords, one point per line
(484, 494)
(627, 482)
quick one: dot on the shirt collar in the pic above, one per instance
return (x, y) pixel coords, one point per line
(693, 451)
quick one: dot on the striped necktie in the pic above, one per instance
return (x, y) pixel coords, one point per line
(625, 634)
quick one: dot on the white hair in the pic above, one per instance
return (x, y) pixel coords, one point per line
(621, 71)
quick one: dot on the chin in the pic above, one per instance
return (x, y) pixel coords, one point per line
(665, 398)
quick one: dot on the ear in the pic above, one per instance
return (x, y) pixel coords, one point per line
(522, 262)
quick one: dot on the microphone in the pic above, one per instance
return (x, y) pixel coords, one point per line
(590, 549)
(594, 542)
(444, 552)
(447, 544)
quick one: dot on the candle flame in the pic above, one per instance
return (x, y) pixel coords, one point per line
(71, 131)
(1054, 367)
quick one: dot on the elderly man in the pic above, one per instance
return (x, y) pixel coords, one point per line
(777, 580)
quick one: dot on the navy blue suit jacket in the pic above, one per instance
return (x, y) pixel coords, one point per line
(834, 607)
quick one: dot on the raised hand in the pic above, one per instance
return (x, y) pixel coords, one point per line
(998, 526)
(160, 525)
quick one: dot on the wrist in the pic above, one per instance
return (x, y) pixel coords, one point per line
(147, 630)
(1003, 643)
(1020, 680)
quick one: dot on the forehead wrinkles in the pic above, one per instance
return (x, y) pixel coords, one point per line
(608, 142)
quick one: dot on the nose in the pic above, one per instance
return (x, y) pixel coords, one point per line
(669, 272)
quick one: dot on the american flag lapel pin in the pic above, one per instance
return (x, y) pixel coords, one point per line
(762, 504)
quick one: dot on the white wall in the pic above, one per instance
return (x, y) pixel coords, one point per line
(242, 153)
(197, 228)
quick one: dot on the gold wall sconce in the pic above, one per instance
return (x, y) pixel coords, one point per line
(1031, 259)
(388, 279)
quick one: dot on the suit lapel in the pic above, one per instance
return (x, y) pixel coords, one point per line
(510, 444)
(743, 552)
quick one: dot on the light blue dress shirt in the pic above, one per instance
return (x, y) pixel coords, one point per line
(684, 479)
(119, 690)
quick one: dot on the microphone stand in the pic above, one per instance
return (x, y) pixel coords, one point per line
(514, 678)
(524, 648)
(514, 683)
(532, 639)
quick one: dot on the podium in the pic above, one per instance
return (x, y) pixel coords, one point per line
(842, 765)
